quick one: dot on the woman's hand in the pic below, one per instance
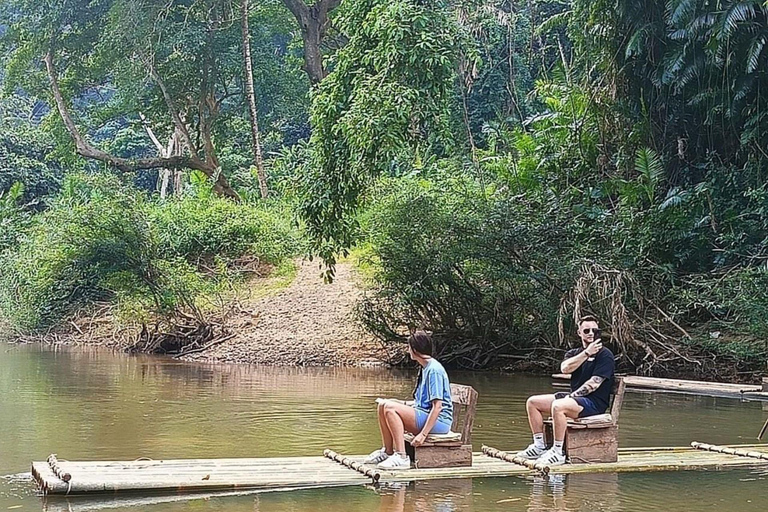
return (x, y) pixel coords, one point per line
(418, 440)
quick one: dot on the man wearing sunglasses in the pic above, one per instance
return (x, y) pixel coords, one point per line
(591, 367)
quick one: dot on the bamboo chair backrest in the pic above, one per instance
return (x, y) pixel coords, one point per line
(619, 386)
(464, 400)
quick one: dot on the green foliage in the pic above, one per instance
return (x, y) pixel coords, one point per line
(76, 252)
(23, 160)
(201, 229)
(102, 240)
(479, 268)
(388, 94)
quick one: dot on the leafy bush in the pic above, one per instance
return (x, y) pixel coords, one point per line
(203, 228)
(77, 251)
(101, 240)
(480, 268)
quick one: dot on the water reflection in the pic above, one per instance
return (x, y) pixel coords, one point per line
(570, 493)
(427, 496)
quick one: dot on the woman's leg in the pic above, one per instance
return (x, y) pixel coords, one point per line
(399, 418)
(386, 435)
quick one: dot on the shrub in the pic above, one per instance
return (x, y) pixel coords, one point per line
(102, 240)
(481, 270)
(202, 228)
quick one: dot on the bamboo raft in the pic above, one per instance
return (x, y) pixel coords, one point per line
(332, 470)
(694, 387)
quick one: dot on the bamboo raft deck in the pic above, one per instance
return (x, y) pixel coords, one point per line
(694, 387)
(163, 476)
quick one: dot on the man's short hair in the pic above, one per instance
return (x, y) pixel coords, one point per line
(588, 318)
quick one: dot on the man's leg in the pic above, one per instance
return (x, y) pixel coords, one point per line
(537, 406)
(562, 410)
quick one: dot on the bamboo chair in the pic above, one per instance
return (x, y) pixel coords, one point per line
(455, 448)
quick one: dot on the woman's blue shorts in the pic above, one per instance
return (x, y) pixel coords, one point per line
(439, 428)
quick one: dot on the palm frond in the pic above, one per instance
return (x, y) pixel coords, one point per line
(680, 11)
(755, 51)
(675, 197)
(738, 13)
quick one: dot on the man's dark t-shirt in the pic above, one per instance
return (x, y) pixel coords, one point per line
(601, 365)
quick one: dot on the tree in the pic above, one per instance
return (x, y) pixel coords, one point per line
(150, 58)
(313, 21)
(388, 97)
(251, 98)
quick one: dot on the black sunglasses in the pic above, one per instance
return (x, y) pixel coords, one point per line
(587, 331)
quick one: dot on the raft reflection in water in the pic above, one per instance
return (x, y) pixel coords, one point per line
(427, 496)
(587, 491)
(555, 493)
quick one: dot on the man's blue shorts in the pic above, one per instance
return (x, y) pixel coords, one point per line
(589, 407)
(421, 420)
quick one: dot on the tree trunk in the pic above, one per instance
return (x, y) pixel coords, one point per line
(250, 93)
(313, 22)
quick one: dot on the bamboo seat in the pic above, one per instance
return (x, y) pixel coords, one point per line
(593, 438)
(438, 439)
(455, 448)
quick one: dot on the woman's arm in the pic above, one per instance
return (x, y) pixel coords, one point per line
(434, 412)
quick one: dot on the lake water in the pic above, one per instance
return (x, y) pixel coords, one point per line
(94, 404)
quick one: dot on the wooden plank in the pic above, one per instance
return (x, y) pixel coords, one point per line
(440, 456)
(618, 399)
(683, 386)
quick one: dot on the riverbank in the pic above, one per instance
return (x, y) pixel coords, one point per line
(293, 319)
(307, 323)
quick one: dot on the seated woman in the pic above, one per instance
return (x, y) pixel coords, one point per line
(431, 412)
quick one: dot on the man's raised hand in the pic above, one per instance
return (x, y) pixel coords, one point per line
(593, 348)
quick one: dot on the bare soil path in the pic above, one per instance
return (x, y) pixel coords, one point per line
(308, 323)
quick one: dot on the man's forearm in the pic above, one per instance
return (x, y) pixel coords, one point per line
(588, 387)
(572, 363)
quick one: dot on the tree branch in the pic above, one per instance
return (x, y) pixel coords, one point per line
(87, 150)
(297, 8)
(174, 113)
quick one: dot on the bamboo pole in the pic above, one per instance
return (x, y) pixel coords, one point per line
(762, 431)
(497, 454)
(53, 462)
(729, 451)
(346, 461)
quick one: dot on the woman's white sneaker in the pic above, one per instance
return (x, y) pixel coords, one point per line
(396, 461)
(379, 455)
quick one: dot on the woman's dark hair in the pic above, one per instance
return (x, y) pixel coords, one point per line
(421, 342)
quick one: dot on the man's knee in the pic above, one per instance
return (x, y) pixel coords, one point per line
(566, 406)
(561, 405)
(540, 402)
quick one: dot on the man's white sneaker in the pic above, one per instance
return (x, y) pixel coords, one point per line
(552, 457)
(379, 455)
(533, 452)
(395, 461)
